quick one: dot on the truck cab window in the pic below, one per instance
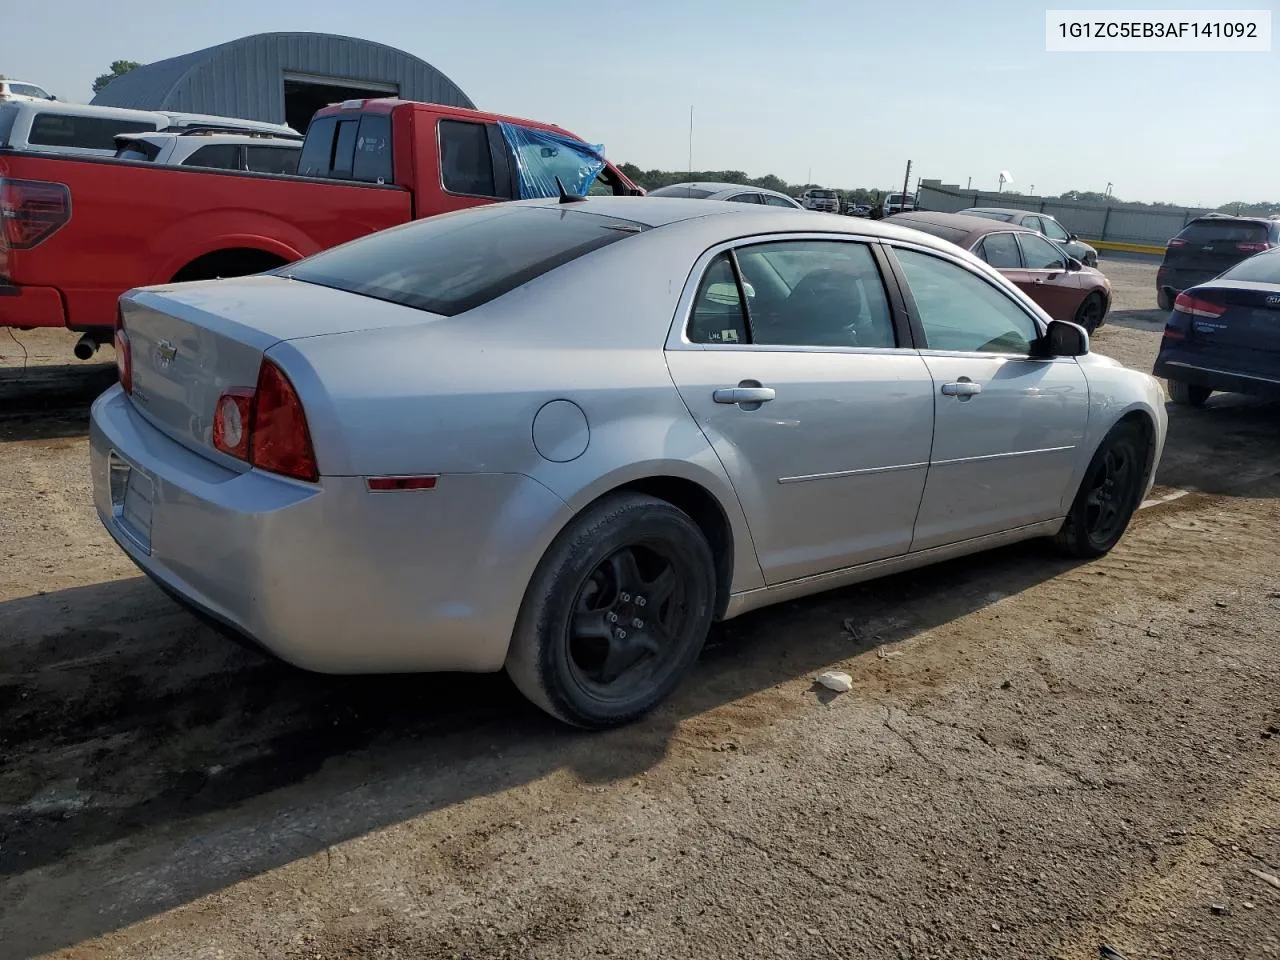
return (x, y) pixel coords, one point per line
(466, 163)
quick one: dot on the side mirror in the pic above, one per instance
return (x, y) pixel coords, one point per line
(1074, 265)
(1072, 238)
(1062, 339)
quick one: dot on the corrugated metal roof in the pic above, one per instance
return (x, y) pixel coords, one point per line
(245, 78)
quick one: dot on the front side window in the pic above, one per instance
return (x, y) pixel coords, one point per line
(466, 162)
(1053, 230)
(1001, 251)
(220, 156)
(453, 263)
(27, 90)
(963, 312)
(271, 159)
(718, 313)
(773, 201)
(1039, 254)
(816, 293)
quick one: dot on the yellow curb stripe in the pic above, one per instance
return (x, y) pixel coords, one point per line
(1126, 247)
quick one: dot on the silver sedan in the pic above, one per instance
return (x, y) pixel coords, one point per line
(564, 437)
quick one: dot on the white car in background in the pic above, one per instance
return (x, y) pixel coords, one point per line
(80, 129)
(726, 191)
(258, 153)
(21, 90)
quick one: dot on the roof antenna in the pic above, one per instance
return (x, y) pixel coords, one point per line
(565, 195)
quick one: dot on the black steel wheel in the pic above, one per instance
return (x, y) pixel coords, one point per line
(1090, 312)
(616, 613)
(1109, 494)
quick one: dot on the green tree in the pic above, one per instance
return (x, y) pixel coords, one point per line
(118, 69)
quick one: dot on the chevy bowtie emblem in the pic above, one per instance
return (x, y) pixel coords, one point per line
(165, 352)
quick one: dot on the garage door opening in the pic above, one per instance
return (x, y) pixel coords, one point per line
(304, 95)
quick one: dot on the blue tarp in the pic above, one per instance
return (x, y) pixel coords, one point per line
(541, 156)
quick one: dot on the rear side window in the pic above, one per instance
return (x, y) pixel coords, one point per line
(746, 198)
(1001, 251)
(68, 130)
(373, 150)
(1233, 231)
(219, 156)
(344, 149)
(466, 162)
(456, 262)
(272, 159)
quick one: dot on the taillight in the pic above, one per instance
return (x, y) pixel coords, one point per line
(1197, 307)
(31, 211)
(1176, 242)
(266, 426)
(1257, 247)
(231, 423)
(281, 441)
(124, 354)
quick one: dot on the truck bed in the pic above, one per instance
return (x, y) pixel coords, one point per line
(133, 224)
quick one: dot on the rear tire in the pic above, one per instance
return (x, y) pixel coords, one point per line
(1188, 394)
(1090, 312)
(1108, 494)
(615, 614)
(1164, 299)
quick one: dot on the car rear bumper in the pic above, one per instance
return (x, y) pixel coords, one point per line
(26, 307)
(1204, 373)
(327, 576)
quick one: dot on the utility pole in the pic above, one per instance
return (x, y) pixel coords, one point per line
(906, 182)
(691, 141)
(969, 186)
(1033, 190)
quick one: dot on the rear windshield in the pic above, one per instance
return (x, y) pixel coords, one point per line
(138, 150)
(1264, 268)
(989, 215)
(454, 263)
(823, 194)
(69, 130)
(696, 193)
(1235, 231)
(954, 234)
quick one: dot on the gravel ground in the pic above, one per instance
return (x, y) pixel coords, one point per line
(1036, 757)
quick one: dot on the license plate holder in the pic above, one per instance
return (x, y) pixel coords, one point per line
(132, 500)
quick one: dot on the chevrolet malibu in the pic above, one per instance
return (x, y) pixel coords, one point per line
(563, 437)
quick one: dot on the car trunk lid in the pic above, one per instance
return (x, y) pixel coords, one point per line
(187, 352)
(1249, 320)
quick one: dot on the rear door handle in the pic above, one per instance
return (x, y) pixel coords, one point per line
(962, 389)
(743, 395)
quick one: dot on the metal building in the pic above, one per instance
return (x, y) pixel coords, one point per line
(281, 78)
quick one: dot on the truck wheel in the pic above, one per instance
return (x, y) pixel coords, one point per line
(1164, 299)
(1108, 494)
(616, 613)
(1188, 394)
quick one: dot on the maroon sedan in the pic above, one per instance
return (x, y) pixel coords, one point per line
(1062, 285)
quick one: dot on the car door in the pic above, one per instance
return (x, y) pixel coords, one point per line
(1047, 280)
(1007, 425)
(801, 375)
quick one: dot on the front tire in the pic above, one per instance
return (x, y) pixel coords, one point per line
(1089, 313)
(1108, 494)
(1188, 394)
(616, 613)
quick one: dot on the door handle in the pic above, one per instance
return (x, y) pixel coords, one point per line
(964, 389)
(744, 394)
(1038, 280)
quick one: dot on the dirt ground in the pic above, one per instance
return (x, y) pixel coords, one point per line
(1037, 756)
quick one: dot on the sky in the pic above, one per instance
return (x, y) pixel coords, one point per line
(849, 90)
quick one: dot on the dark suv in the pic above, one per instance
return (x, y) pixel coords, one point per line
(1207, 246)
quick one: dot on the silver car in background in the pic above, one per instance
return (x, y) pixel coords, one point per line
(726, 191)
(565, 436)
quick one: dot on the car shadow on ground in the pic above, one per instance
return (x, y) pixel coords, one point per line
(139, 743)
(1148, 321)
(48, 401)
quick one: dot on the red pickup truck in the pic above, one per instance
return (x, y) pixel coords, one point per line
(75, 233)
